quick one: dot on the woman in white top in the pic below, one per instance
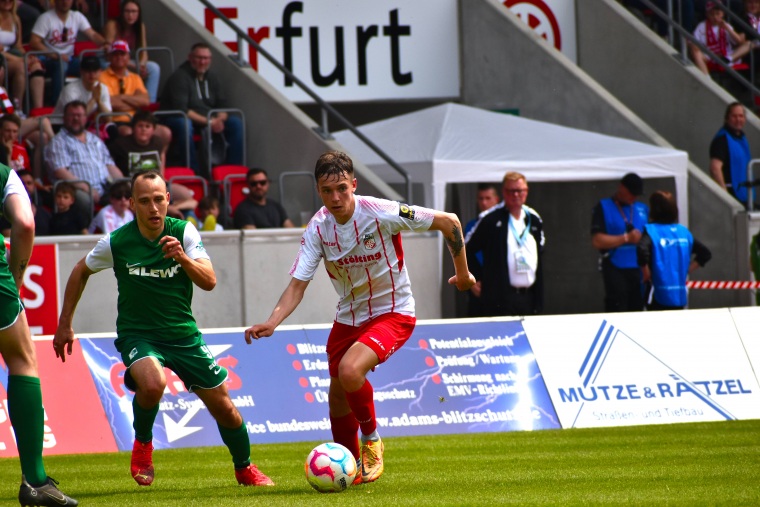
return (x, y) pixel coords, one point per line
(13, 51)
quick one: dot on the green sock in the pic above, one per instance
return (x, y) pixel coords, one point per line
(28, 421)
(144, 420)
(238, 443)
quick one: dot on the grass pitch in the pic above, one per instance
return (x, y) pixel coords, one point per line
(674, 465)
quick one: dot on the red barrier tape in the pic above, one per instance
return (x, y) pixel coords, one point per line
(700, 284)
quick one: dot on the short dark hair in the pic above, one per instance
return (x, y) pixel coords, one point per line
(120, 188)
(253, 171)
(334, 164)
(65, 187)
(11, 118)
(143, 115)
(730, 107)
(488, 186)
(199, 45)
(663, 208)
(24, 172)
(151, 174)
(74, 103)
(207, 202)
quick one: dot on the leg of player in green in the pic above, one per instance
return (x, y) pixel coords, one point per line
(234, 435)
(27, 414)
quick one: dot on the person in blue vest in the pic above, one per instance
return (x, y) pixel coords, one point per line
(616, 226)
(730, 154)
(667, 253)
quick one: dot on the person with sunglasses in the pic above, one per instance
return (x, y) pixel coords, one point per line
(511, 238)
(117, 213)
(257, 211)
(55, 32)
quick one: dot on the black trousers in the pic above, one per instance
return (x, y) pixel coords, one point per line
(513, 302)
(623, 291)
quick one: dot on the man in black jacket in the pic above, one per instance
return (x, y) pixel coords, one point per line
(194, 89)
(511, 237)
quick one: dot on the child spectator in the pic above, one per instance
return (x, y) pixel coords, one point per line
(66, 219)
(117, 213)
(719, 37)
(208, 215)
(17, 156)
(42, 216)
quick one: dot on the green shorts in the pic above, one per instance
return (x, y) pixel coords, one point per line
(10, 303)
(189, 358)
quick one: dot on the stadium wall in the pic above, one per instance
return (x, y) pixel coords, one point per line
(252, 271)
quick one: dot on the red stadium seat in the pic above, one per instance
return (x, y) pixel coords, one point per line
(232, 186)
(187, 177)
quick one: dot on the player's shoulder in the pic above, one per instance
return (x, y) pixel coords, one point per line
(375, 206)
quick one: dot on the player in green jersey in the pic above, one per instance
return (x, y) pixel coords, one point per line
(23, 388)
(157, 260)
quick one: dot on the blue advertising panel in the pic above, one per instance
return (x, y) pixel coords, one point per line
(448, 378)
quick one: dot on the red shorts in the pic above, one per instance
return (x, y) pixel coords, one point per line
(384, 335)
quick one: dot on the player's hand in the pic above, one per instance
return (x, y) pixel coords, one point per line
(464, 283)
(171, 247)
(63, 342)
(258, 331)
(475, 289)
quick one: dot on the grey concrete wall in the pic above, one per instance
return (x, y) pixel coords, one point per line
(648, 76)
(280, 137)
(252, 271)
(505, 65)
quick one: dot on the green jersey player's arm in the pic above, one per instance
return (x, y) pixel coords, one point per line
(18, 211)
(64, 335)
(451, 227)
(200, 271)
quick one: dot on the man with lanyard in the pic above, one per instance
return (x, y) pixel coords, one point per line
(511, 237)
(730, 154)
(155, 326)
(616, 226)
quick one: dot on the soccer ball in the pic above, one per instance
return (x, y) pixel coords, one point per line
(330, 468)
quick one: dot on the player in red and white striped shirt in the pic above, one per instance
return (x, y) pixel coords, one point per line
(360, 242)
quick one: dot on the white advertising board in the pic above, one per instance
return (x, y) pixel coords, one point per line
(348, 50)
(644, 368)
(747, 321)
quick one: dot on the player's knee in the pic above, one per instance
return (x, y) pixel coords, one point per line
(351, 377)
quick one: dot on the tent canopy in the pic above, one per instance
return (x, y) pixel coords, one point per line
(452, 143)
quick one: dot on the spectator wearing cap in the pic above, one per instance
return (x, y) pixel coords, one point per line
(87, 89)
(56, 31)
(127, 91)
(616, 225)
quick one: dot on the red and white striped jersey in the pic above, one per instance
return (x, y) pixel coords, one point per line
(364, 257)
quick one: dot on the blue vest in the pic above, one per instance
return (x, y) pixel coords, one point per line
(738, 158)
(637, 214)
(671, 256)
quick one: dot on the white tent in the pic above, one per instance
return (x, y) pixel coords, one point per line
(452, 143)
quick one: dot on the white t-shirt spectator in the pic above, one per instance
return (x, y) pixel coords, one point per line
(60, 35)
(76, 91)
(107, 220)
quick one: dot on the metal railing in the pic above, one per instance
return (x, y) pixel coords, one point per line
(693, 40)
(209, 139)
(751, 183)
(325, 107)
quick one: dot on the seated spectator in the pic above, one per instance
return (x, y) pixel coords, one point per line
(117, 213)
(667, 252)
(208, 215)
(56, 31)
(76, 154)
(127, 91)
(42, 216)
(29, 131)
(87, 89)
(17, 158)
(142, 151)
(13, 52)
(194, 89)
(129, 27)
(719, 37)
(751, 15)
(66, 218)
(257, 211)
